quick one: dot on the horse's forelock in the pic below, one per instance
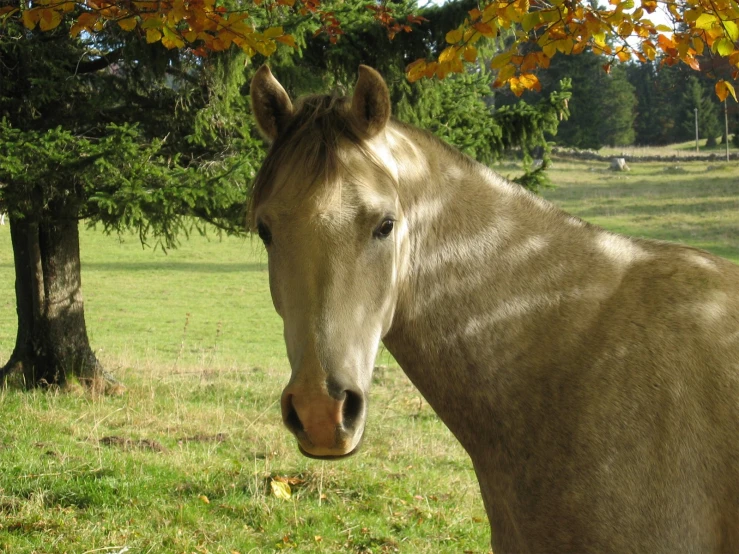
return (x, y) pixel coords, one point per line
(309, 145)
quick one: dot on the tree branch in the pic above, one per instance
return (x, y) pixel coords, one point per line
(100, 63)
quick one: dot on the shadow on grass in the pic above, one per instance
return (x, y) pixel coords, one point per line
(174, 266)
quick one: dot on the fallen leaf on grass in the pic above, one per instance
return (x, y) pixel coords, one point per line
(280, 489)
(204, 499)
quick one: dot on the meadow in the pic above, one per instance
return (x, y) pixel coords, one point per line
(192, 457)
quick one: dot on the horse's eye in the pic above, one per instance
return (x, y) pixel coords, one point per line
(385, 228)
(264, 233)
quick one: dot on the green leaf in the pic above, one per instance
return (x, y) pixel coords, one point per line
(723, 47)
(732, 29)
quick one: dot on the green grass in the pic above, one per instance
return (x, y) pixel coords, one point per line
(195, 339)
(694, 203)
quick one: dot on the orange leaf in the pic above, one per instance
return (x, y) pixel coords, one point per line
(470, 53)
(530, 81)
(287, 39)
(723, 89)
(30, 18)
(516, 87)
(50, 19)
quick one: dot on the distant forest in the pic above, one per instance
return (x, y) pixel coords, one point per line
(639, 104)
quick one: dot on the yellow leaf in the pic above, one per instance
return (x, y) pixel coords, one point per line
(274, 32)
(204, 499)
(153, 35)
(505, 74)
(281, 490)
(30, 18)
(530, 20)
(171, 39)
(705, 21)
(449, 53)
(50, 19)
(151, 23)
(691, 15)
(453, 37)
(501, 59)
(649, 50)
(723, 89)
(549, 49)
(470, 53)
(128, 24)
(625, 29)
(623, 55)
(698, 44)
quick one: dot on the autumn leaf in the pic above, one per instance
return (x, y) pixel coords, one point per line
(50, 19)
(287, 39)
(128, 24)
(470, 53)
(723, 89)
(30, 18)
(281, 490)
(153, 35)
(453, 37)
(204, 499)
(705, 21)
(723, 47)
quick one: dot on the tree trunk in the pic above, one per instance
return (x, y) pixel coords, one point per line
(51, 343)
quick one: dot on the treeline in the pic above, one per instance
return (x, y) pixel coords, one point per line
(636, 104)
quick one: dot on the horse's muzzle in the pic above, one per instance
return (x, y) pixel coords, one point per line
(327, 425)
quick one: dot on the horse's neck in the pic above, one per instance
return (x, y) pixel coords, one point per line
(487, 259)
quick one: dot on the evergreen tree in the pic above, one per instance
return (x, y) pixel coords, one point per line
(696, 97)
(113, 131)
(602, 105)
(656, 87)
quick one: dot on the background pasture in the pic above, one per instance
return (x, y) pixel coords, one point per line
(183, 461)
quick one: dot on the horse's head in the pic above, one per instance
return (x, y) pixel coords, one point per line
(326, 205)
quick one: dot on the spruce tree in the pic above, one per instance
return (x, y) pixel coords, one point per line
(108, 130)
(697, 97)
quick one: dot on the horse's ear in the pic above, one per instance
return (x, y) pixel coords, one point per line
(270, 103)
(371, 102)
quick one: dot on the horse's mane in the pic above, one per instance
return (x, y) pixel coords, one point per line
(310, 143)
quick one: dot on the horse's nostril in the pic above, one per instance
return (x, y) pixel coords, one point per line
(351, 410)
(291, 418)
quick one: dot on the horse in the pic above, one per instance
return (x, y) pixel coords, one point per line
(592, 378)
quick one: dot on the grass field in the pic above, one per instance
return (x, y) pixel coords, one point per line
(184, 461)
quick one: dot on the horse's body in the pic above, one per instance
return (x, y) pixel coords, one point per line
(592, 378)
